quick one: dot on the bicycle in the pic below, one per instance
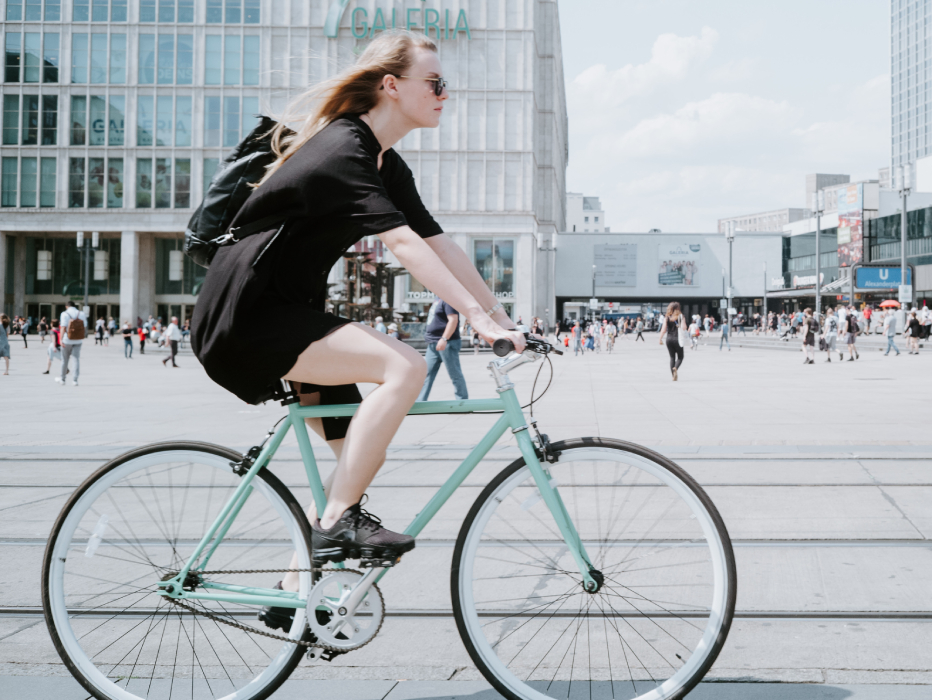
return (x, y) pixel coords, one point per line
(587, 567)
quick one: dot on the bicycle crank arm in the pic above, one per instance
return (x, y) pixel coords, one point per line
(348, 606)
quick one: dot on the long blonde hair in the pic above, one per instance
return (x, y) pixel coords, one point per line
(354, 91)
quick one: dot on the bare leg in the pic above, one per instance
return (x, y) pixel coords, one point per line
(357, 353)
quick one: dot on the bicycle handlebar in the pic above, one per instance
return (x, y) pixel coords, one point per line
(503, 346)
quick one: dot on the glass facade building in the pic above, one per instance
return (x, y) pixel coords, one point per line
(911, 80)
(117, 113)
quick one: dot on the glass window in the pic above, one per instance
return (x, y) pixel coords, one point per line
(98, 58)
(250, 114)
(214, 11)
(47, 183)
(114, 183)
(95, 183)
(186, 11)
(8, 182)
(185, 62)
(33, 57)
(50, 58)
(163, 183)
(117, 10)
(14, 11)
(250, 60)
(28, 175)
(78, 120)
(146, 59)
(99, 11)
(234, 11)
(144, 120)
(76, 182)
(182, 183)
(166, 10)
(30, 120)
(49, 120)
(183, 120)
(33, 10)
(212, 119)
(231, 60)
(98, 121)
(143, 182)
(166, 59)
(10, 120)
(117, 120)
(494, 260)
(117, 59)
(210, 168)
(214, 47)
(79, 58)
(12, 60)
(231, 121)
(252, 12)
(163, 120)
(146, 10)
(80, 11)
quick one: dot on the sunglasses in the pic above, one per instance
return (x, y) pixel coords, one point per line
(439, 83)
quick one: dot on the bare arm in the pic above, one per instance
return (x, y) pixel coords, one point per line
(434, 273)
(462, 268)
(452, 322)
(663, 329)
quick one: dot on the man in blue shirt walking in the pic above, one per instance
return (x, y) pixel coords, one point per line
(443, 346)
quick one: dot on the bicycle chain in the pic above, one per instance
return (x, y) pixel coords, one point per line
(270, 635)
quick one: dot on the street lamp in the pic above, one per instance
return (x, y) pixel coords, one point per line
(817, 203)
(592, 300)
(903, 176)
(730, 235)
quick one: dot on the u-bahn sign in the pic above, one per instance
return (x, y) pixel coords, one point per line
(411, 18)
(880, 277)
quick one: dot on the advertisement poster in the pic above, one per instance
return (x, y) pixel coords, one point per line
(679, 265)
(616, 265)
(850, 225)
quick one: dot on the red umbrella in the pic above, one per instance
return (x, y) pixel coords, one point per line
(889, 303)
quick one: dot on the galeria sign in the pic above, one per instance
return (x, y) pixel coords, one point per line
(412, 18)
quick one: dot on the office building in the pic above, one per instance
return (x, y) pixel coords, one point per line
(584, 214)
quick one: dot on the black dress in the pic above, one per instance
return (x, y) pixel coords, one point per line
(262, 301)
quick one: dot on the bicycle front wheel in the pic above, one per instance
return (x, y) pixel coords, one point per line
(135, 522)
(662, 613)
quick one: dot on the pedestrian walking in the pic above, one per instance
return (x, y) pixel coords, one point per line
(725, 336)
(73, 327)
(577, 333)
(830, 336)
(54, 346)
(810, 329)
(5, 325)
(172, 338)
(99, 329)
(43, 329)
(639, 327)
(142, 339)
(889, 330)
(675, 332)
(442, 334)
(112, 326)
(851, 334)
(694, 333)
(185, 332)
(913, 329)
(24, 329)
(127, 341)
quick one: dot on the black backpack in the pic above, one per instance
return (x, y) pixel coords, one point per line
(209, 227)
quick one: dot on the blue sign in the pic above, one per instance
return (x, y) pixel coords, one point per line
(880, 277)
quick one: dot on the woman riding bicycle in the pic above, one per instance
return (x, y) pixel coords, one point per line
(337, 179)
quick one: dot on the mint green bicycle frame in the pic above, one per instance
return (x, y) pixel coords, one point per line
(512, 417)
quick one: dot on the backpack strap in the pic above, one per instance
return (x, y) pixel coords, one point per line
(238, 233)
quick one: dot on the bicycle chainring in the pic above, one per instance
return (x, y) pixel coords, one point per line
(334, 626)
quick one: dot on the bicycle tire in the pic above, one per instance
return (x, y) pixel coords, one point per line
(466, 619)
(289, 662)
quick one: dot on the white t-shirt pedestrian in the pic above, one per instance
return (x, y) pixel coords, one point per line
(66, 317)
(173, 332)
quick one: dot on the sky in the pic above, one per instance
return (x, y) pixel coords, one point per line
(682, 112)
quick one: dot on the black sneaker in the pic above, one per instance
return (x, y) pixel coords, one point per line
(277, 618)
(358, 535)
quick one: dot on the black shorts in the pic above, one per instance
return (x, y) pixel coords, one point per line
(334, 428)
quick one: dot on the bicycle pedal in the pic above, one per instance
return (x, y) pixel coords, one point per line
(379, 563)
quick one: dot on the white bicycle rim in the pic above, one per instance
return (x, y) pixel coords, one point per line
(63, 544)
(716, 618)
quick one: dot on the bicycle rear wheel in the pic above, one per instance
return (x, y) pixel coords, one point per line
(662, 613)
(136, 521)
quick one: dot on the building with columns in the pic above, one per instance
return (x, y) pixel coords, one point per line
(116, 114)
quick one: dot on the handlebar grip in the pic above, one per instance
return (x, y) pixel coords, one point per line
(503, 347)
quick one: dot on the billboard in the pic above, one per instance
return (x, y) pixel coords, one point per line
(616, 265)
(679, 265)
(850, 225)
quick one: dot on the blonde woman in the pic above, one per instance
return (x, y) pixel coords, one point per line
(674, 329)
(337, 179)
